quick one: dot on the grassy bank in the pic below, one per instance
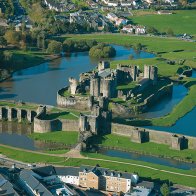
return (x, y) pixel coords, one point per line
(63, 137)
(150, 148)
(155, 174)
(20, 59)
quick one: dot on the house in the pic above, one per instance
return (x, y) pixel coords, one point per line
(129, 29)
(107, 180)
(89, 177)
(121, 21)
(112, 17)
(126, 3)
(6, 188)
(112, 3)
(140, 29)
(32, 185)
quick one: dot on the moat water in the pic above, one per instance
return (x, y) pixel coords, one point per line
(149, 159)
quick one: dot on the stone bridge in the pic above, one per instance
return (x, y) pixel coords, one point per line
(19, 114)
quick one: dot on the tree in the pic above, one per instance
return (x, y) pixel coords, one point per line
(102, 51)
(3, 41)
(12, 37)
(164, 190)
(151, 30)
(54, 47)
(170, 32)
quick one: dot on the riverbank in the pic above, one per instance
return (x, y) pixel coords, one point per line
(20, 59)
(183, 177)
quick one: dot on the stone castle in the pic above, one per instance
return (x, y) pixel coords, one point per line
(104, 82)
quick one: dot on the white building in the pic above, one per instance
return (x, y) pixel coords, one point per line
(126, 3)
(112, 17)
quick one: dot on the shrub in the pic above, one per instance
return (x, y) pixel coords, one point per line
(102, 51)
(54, 47)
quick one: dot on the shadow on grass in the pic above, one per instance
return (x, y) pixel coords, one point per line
(55, 115)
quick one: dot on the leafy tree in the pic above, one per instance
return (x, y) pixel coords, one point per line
(54, 47)
(102, 51)
(3, 41)
(12, 37)
(151, 30)
(164, 190)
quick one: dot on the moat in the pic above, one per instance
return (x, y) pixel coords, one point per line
(17, 136)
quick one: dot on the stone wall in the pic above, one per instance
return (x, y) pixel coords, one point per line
(78, 102)
(160, 137)
(43, 126)
(126, 112)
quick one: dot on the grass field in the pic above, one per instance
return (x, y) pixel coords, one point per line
(153, 44)
(63, 137)
(124, 143)
(154, 174)
(180, 22)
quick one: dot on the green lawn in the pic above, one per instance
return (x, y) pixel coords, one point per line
(57, 151)
(128, 86)
(149, 148)
(29, 157)
(63, 137)
(180, 22)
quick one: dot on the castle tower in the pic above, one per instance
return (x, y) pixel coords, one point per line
(103, 103)
(95, 86)
(82, 123)
(154, 74)
(146, 71)
(134, 72)
(103, 65)
(179, 142)
(140, 136)
(73, 85)
(106, 90)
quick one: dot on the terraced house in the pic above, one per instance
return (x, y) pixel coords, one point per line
(103, 179)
